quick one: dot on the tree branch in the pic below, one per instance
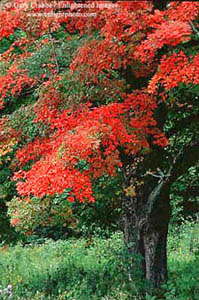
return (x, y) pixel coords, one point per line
(154, 195)
(194, 28)
(180, 164)
(54, 52)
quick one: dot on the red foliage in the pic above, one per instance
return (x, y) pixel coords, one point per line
(169, 33)
(130, 35)
(175, 69)
(13, 83)
(93, 135)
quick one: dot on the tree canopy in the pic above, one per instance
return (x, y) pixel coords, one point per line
(96, 88)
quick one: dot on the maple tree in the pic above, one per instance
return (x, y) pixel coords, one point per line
(121, 105)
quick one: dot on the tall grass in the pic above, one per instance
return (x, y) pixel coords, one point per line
(97, 269)
(82, 270)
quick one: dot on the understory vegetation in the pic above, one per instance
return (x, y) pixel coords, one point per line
(99, 150)
(97, 269)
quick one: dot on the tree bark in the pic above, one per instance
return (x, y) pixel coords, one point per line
(147, 236)
(146, 206)
(146, 216)
(155, 255)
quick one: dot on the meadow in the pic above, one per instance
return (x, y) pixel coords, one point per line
(97, 269)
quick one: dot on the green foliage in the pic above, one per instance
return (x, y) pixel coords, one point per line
(84, 269)
(5, 43)
(7, 191)
(103, 216)
(98, 269)
(22, 120)
(35, 213)
(56, 217)
(183, 245)
(185, 195)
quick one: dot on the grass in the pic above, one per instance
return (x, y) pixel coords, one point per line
(96, 269)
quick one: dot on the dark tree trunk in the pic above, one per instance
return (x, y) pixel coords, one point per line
(155, 255)
(147, 236)
(146, 205)
(146, 215)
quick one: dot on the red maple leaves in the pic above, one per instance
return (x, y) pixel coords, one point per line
(175, 69)
(90, 134)
(128, 36)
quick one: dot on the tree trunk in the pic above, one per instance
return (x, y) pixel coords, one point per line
(146, 235)
(146, 205)
(155, 256)
(146, 215)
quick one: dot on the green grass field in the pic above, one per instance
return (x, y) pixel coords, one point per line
(97, 269)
